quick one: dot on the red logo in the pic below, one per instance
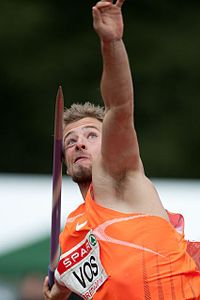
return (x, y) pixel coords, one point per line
(73, 258)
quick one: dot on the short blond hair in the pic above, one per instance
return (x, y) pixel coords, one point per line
(79, 111)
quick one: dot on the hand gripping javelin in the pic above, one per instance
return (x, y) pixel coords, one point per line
(57, 185)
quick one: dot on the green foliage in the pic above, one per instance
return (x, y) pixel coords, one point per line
(44, 43)
(33, 258)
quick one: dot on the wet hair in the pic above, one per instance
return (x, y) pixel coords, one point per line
(79, 111)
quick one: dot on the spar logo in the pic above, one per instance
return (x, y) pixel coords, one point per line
(76, 256)
(92, 239)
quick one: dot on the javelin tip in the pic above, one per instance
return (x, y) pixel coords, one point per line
(60, 92)
(59, 106)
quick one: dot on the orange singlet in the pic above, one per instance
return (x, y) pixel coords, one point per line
(109, 255)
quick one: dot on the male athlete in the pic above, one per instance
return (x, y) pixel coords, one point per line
(120, 243)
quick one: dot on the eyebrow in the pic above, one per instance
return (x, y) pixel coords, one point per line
(85, 127)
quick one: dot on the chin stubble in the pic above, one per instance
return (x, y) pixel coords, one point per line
(82, 175)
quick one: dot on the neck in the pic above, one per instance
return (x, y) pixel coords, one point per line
(84, 186)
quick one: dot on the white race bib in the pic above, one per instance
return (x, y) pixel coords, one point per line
(80, 268)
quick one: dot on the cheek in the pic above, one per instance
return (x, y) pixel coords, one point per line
(68, 157)
(96, 149)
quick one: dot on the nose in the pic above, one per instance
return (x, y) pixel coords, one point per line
(80, 145)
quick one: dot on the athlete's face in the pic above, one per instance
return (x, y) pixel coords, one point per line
(82, 142)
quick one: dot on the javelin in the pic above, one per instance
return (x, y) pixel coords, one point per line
(57, 185)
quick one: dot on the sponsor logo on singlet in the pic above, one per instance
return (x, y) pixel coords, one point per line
(80, 269)
(80, 225)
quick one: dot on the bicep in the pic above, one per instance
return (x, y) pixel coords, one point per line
(120, 150)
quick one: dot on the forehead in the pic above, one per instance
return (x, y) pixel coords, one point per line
(81, 124)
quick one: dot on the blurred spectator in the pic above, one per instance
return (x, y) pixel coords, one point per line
(31, 287)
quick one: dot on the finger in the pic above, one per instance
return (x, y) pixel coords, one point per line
(45, 283)
(45, 288)
(103, 4)
(119, 3)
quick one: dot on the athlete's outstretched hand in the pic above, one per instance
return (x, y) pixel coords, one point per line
(107, 20)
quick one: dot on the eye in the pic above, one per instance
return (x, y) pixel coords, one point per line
(70, 142)
(92, 135)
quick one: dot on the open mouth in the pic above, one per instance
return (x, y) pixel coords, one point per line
(80, 158)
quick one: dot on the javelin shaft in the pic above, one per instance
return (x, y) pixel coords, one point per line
(57, 185)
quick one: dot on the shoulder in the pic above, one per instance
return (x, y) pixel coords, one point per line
(79, 211)
(73, 231)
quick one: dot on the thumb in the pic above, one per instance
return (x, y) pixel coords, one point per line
(97, 20)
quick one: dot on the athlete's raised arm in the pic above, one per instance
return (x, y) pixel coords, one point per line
(120, 150)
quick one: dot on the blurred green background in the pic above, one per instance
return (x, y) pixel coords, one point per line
(44, 43)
